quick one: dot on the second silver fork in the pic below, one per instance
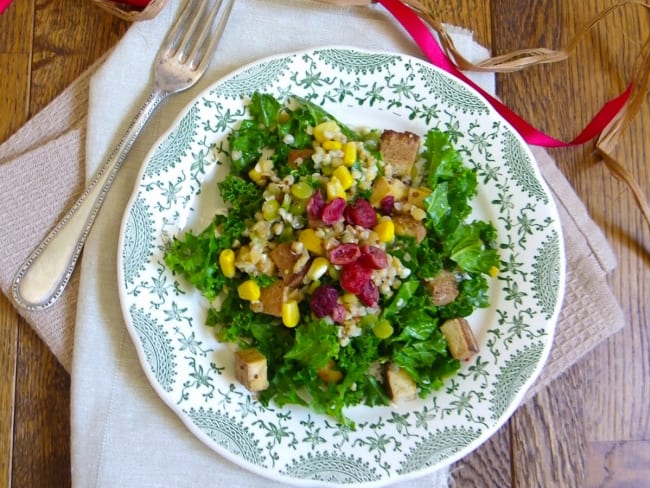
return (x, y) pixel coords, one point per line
(181, 61)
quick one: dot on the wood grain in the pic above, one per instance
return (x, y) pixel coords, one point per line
(618, 464)
(591, 427)
(15, 66)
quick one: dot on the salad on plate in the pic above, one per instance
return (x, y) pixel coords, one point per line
(346, 263)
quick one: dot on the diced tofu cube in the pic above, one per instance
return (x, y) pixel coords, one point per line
(384, 186)
(443, 288)
(400, 385)
(272, 297)
(400, 149)
(296, 157)
(251, 369)
(460, 338)
(285, 260)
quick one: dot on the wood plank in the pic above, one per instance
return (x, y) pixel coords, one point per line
(42, 417)
(548, 438)
(613, 401)
(15, 59)
(618, 463)
(69, 36)
(8, 339)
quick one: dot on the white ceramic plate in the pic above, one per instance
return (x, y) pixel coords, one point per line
(193, 373)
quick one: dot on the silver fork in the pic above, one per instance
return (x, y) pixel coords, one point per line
(181, 61)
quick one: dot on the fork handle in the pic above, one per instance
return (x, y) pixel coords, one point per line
(41, 279)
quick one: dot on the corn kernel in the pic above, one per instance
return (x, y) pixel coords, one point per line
(256, 176)
(335, 189)
(249, 290)
(494, 271)
(350, 299)
(318, 268)
(343, 175)
(385, 230)
(332, 145)
(323, 131)
(311, 241)
(350, 153)
(227, 262)
(290, 313)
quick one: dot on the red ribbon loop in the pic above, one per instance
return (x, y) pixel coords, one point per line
(424, 38)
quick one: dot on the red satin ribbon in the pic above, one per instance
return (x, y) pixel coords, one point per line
(424, 38)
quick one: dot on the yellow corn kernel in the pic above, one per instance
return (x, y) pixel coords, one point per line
(350, 153)
(311, 241)
(343, 175)
(318, 268)
(256, 176)
(494, 271)
(323, 131)
(349, 298)
(290, 313)
(335, 189)
(249, 290)
(385, 230)
(332, 145)
(227, 262)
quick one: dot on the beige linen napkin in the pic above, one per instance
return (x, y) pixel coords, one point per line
(122, 434)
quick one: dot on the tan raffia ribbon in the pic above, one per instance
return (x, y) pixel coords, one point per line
(524, 58)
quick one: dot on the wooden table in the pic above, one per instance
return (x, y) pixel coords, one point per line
(591, 427)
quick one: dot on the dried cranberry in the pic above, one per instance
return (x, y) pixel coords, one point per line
(387, 204)
(333, 211)
(323, 300)
(373, 257)
(344, 254)
(369, 294)
(315, 206)
(361, 213)
(338, 314)
(354, 276)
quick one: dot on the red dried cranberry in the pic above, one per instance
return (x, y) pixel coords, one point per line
(333, 211)
(373, 257)
(387, 204)
(315, 206)
(361, 213)
(344, 254)
(338, 314)
(354, 276)
(369, 294)
(323, 300)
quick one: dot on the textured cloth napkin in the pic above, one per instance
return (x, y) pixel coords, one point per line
(122, 433)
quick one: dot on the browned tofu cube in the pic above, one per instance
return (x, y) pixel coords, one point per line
(443, 288)
(400, 149)
(400, 385)
(297, 156)
(272, 297)
(251, 369)
(460, 338)
(405, 225)
(384, 186)
(285, 260)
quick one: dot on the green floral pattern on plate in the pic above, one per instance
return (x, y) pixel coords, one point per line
(193, 373)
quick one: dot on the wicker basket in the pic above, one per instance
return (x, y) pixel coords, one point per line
(129, 12)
